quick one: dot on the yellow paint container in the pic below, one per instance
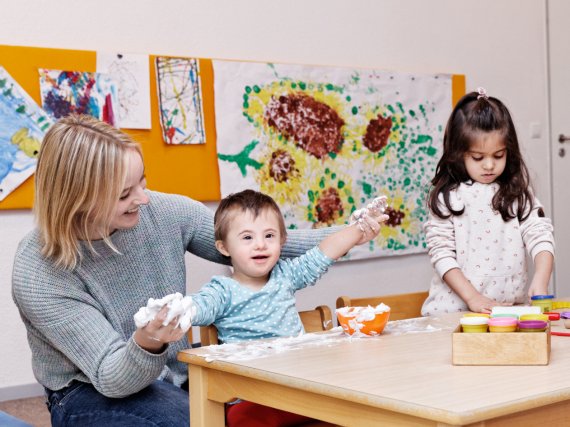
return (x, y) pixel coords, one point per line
(474, 324)
(534, 317)
(476, 315)
(502, 324)
(542, 301)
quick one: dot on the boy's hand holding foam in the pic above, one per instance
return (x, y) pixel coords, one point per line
(364, 226)
(369, 219)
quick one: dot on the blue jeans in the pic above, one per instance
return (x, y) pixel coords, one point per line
(80, 404)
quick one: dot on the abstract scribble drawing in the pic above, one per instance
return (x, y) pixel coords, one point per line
(180, 100)
(132, 75)
(66, 92)
(22, 126)
(324, 141)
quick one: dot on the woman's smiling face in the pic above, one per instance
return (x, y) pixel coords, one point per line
(132, 197)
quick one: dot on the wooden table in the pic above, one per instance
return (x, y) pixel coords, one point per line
(394, 379)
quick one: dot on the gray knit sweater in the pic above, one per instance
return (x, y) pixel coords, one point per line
(80, 322)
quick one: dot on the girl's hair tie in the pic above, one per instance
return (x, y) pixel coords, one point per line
(482, 93)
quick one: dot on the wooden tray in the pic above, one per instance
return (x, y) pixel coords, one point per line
(501, 348)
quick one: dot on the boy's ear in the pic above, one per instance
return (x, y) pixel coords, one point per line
(221, 248)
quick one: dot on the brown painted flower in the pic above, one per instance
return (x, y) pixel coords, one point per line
(329, 206)
(282, 166)
(395, 217)
(313, 125)
(377, 133)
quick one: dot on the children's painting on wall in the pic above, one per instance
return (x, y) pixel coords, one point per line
(325, 141)
(22, 127)
(66, 92)
(131, 73)
(180, 100)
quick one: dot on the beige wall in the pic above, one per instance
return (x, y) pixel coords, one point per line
(499, 45)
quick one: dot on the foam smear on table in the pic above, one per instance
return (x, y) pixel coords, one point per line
(248, 350)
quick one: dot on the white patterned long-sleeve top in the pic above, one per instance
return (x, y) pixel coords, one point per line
(489, 251)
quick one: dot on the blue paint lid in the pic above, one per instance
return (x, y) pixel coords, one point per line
(538, 297)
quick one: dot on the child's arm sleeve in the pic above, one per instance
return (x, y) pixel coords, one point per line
(440, 238)
(306, 269)
(210, 302)
(537, 231)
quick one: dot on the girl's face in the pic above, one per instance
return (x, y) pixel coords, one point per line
(254, 245)
(126, 213)
(486, 158)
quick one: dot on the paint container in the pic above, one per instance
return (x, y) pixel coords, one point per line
(474, 324)
(543, 317)
(542, 301)
(565, 316)
(552, 315)
(532, 325)
(476, 315)
(506, 315)
(503, 324)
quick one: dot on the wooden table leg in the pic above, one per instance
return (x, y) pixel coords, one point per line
(203, 412)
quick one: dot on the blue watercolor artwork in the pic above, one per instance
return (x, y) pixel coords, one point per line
(22, 127)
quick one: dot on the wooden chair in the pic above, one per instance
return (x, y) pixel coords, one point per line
(317, 320)
(402, 306)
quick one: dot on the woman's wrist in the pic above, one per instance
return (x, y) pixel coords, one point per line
(148, 343)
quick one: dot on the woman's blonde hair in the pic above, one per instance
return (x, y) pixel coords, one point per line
(81, 170)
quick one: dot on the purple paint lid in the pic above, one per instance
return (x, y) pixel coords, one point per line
(533, 324)
(565, 315)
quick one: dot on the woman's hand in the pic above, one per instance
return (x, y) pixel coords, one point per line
(154, 336)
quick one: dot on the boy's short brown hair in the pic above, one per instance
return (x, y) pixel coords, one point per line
(245, 201)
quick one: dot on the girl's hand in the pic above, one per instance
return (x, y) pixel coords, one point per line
(154, 336)
(481, 304)
(537, 288)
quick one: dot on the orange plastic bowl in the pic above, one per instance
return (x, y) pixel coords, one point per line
(369, 327)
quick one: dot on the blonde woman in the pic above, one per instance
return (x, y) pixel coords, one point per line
(103, 245)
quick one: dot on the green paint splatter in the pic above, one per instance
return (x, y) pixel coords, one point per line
(422, 139)
(242, 159)
(367, 189)
(311, 196)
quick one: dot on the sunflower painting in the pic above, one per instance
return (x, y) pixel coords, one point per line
(325, 141)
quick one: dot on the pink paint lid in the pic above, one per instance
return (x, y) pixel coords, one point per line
(502, 321)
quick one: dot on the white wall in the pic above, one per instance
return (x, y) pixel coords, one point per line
(498, 45)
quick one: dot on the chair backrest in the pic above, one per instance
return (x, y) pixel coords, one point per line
(316, 320)
(402, 306)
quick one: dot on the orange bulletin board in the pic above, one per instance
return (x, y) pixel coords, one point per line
(190, 170)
